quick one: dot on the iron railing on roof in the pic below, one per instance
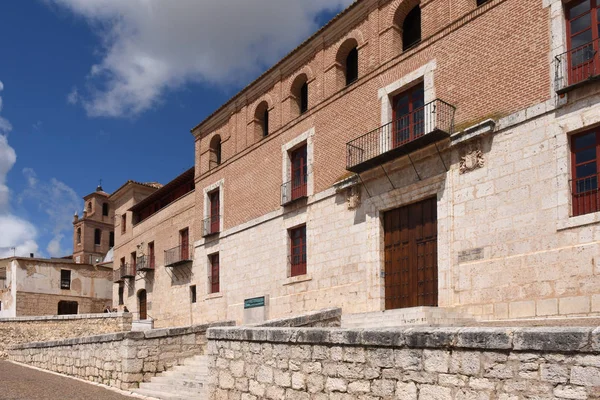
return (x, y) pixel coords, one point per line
(421, 127)
(576, 66)
(178, 255)
(294, 189)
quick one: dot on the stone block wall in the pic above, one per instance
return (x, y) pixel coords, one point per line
(417, 363)
(47, 304)
(121, 360)
(19, 330)
(331, 317)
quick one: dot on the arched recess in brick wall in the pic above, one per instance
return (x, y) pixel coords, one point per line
(214, 152)
(262, 118)
(348, 61)
(299, 93)
(399, 11)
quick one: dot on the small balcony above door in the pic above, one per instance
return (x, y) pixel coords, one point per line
(415, 129)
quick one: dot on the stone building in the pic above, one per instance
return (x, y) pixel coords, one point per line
(408, 154)
(37, 286)
(93, 234)
(153, 252)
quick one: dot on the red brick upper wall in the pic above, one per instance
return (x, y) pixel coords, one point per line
(491, 61)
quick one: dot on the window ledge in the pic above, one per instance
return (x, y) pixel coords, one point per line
(213, 296)
(578, 221)
(297, 279)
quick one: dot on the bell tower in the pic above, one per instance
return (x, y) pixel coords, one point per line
(93, 233)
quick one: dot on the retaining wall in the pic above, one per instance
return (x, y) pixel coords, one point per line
(121, 360)
(416, 363)
(36, 329)
(327, 318)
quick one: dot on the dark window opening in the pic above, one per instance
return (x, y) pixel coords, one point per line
(105, 209)
(123, 223)
(214, 273)
(352, 66)
(65, 279)
(78, 235)
(151, 263)
(121, 292)
(111, 239)
(481, 2)
(411, 28)
(193, 293)
(133, 263)
(265, 123)
(304, 98)
(298, 251)
(585, 152)
(97, 237)
(90, 207)
(0, 306)
(67, 307)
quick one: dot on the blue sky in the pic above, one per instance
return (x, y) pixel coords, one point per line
(109, 89)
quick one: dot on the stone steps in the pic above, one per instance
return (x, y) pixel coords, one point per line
(405, 317)
(182, 382)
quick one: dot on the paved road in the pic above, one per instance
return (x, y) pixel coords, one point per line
(22, 383)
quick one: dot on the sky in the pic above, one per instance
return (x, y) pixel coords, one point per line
(109, 89)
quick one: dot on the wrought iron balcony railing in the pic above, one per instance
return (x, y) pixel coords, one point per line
(117, 275)
(127, 271)
(297, 264)
(585, 195)
(428, 124)
(294, 189)
(576, 67)
(145, 263)
(211, 225)
(178, 255)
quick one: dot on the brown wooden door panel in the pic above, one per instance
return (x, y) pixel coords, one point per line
(410, 236)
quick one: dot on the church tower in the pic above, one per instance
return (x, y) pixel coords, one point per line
(93, 233)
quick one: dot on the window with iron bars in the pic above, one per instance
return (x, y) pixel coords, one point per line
(65, 279)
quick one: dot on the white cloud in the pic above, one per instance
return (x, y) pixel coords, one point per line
(58, 201)
(150, 46)
(73, 96)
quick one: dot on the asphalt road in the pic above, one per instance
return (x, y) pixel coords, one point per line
(22, 383)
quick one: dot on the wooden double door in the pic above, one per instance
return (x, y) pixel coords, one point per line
(411, 270)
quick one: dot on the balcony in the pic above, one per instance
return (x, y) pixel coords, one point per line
(145, 263)
(585, 195)
(117, 275)
(424, 126)
(127, 271)
(294, 190)
(211, 225)
(576, 67)
(177, 255)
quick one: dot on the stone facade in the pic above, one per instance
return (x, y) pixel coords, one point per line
(416, 363)
(121, 360)
(167, 288)
(35, 287)
(20, 330)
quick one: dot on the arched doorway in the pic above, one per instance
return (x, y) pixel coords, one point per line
(142, 304)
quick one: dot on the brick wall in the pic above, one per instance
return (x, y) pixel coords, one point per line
(508, 37)
(19, 330)
(33, 304)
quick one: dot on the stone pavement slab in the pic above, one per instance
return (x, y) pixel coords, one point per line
(21, 383)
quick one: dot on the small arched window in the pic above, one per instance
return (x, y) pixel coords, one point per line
(97, 236)
(89, 207)
(261, 115)
(411, 28)
(215, 151)
(78, 235)
(352, 66)
(300, 95)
